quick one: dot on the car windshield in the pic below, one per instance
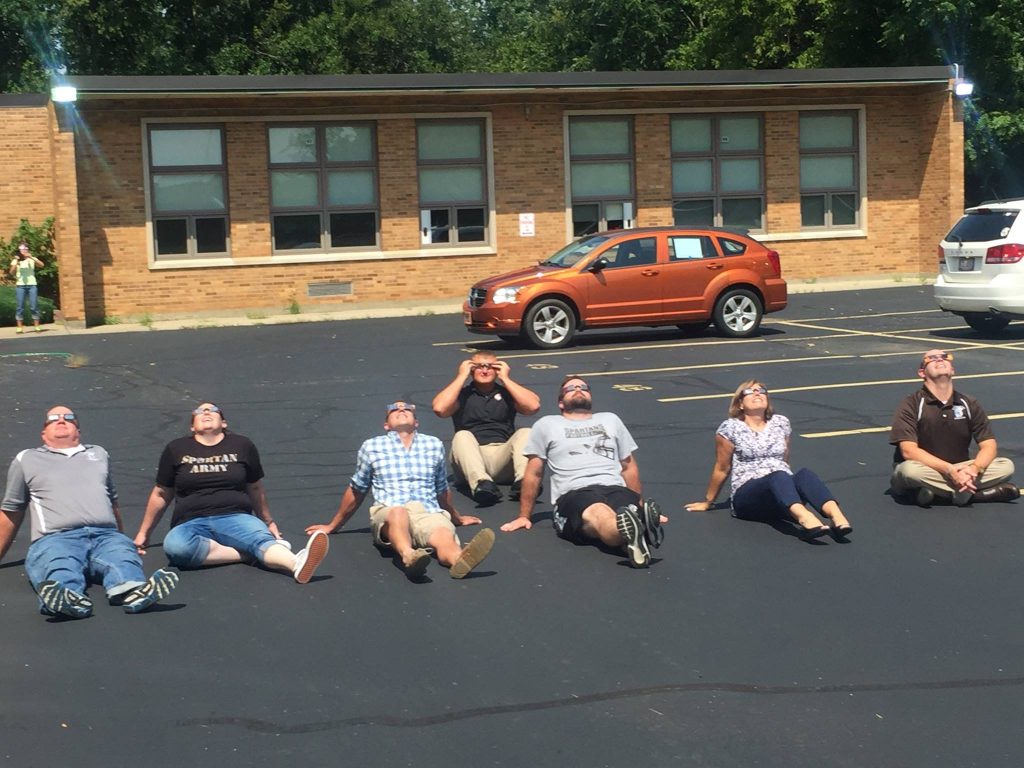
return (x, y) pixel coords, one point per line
(574, 251)
(982, 226)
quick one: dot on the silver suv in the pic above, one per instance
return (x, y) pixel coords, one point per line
(981, 266)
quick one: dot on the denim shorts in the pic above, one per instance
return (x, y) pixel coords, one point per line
(188, 544)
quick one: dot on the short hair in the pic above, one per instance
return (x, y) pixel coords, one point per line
(735, 412)
(565, 381)
(484, 353)
(61, 405)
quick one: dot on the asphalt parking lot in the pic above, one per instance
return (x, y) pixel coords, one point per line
(740, 646)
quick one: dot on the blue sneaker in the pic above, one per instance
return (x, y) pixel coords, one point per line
(61, 601)
(159, 586)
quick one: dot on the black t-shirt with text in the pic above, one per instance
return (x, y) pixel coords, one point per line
(209, 479)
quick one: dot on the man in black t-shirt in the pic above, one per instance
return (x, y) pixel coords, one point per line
(483, 401)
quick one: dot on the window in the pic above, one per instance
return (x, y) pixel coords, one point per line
(632, 253)
(685, 247)
(828, 170)
(188, 188)
(451, 165)
(601, 174)
(323, 186)
(717, 171)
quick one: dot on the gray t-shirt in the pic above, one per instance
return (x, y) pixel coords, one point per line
(581, 452)
(61, 492)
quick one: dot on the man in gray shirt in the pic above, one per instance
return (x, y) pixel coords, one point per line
(595, 480)
(77, 536)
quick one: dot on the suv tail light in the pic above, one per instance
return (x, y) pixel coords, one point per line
(942, 257)
(1010, 253)
(773, 259)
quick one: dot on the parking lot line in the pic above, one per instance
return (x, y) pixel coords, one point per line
(842, 385)
(871, 315)
(867, 430)
(882, 334)
(731, 364)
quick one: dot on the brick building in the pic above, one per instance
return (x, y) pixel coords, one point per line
(197, 194)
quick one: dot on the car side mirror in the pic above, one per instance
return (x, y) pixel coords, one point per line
(599, 264)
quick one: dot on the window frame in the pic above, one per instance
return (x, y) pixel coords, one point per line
(323, 167)
(452, 208)
(830, 192)
(189, 215)
(628, 203)
(715, 154)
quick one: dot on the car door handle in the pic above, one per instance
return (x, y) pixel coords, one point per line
(649, 272)
(713, 266)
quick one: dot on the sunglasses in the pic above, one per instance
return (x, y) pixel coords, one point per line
(485, 366)
(392, 407)
(53, 418)
(936, 358)
(754, 391)
(207, 409)
(576, 388)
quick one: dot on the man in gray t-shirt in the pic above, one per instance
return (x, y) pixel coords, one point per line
(76, 525)
(595, 480)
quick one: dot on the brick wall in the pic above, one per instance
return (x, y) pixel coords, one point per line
(914, 188)
(26, 183)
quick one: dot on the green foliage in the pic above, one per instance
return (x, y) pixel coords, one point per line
(40, 242)
(7, 308)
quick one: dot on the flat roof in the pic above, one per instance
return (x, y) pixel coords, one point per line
(105, 86)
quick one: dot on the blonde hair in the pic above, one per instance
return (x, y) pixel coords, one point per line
(736, 412)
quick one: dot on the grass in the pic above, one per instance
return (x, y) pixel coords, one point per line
(294, 308)
(146, 320)
(256, 315)
(7, 308)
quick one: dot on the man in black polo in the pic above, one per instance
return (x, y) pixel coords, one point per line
(487, 449)
(932, 431)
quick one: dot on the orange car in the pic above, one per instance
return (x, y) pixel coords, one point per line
(658, 276)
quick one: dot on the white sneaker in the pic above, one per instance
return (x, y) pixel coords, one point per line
(308, 559)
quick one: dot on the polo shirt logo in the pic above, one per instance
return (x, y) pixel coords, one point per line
(959, 412)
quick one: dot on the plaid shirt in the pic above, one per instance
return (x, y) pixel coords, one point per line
(399, 475)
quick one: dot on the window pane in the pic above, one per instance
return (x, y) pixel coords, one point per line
(691, 134)
(185, 146)
(826, 131)
(732, 247)
(349, 143)
(449, 141)
(293, 145)
(812, 211)
(294, 189)
(683, 248)
(188, 192)
(692, 176)
(601, 180)
(351, 229)
(295, 232)
(742, 212)
(844, 210)
(351, 188)
(451, 185)
(171, 237)
(212, 235)
(741, 175)
(693, 213)
(470, 223)
(633, 253)
(826, 171)
(440, 224)
(599, 137)
(739, 134)
(585, 219)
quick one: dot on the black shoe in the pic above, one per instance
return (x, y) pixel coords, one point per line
(632, 531)
(486, 493)
(516, 489)
(924, 497)
(650, 517)
(1001, 492)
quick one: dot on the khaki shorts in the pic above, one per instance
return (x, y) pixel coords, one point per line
(422, 523)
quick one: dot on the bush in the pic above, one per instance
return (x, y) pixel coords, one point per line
(7, 308)
(40, 241)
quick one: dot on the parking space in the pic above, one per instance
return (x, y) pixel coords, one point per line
(741, 645)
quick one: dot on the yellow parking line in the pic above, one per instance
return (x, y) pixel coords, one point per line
(592, 374)
(844, 385)
(867, 430)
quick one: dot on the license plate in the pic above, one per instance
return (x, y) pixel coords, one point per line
(467, 318)
(966, 263)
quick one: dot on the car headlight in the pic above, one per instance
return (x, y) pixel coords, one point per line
(507, 295)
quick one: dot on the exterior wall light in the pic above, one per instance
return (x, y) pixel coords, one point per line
(963, 88)
(64, 93)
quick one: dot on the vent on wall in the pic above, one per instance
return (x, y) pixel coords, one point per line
(329, 289)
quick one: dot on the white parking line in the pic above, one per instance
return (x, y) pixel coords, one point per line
(773, 361)
(867, 430)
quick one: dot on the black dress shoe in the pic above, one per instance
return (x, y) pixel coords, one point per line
(1001, 492)
(486, 493)
(516, 490)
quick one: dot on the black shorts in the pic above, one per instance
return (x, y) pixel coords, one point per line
(568, 516)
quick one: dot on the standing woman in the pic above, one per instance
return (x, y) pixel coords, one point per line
(753, 446)
(220, 510)
(23, 268)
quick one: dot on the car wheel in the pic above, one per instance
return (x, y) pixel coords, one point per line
(550, 324)
(983, 322)
(738, 313)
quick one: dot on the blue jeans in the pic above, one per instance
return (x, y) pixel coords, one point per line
(770, 497)
(85, 556)
(187, 545)
(19, 301)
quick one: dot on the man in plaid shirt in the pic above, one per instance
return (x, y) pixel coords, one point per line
(412, 503)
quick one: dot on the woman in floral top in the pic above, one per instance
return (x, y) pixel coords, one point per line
(753, 446)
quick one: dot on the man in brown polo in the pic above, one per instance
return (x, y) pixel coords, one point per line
(932, 431)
